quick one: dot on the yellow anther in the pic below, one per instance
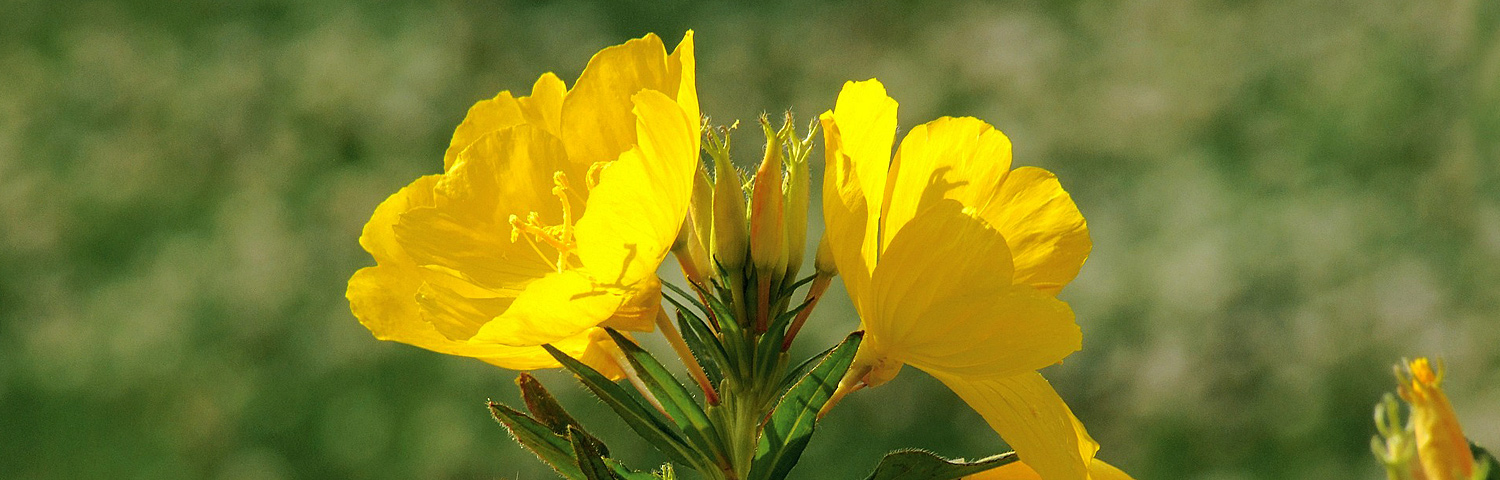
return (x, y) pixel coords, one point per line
(515, 228)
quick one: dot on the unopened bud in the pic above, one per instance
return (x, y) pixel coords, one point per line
(690, 252)
(689, 247)
(798, 181)
(701, 208)
(729, 240)
(767, 235)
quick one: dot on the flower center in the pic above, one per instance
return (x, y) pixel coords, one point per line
(559, 237)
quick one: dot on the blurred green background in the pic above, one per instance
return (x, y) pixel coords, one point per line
(1286, 197)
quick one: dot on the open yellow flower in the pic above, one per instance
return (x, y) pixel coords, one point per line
(549, 220)
(1442, 448)
(953, 261)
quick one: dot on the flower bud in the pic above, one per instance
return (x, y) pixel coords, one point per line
(729, 239)
(797, 192)
(690, 247)
(767, 236)
(1441, 447)
(701, 208)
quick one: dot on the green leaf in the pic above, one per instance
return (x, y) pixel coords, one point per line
(679, 291)
(590, 460)
(544, 408)
(550, 448)
(923, 465)
(631, 407)
(1483, 458)
(787, 290)
(681, 407)
(705, 346)
(768, 347)
(796, 373)
(791, 425)
(626, 473)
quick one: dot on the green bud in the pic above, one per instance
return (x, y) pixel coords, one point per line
(729, 239)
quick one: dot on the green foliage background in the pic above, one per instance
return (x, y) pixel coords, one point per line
(1285, 196)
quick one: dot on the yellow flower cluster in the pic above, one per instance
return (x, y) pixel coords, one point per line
(553, 212)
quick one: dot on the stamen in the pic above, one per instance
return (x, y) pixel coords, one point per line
(559, 237)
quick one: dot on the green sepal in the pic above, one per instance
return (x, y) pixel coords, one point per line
(791, 424)
(924, 465)
(589, 459)
(650, 424)
(553, 450)
(681, 407)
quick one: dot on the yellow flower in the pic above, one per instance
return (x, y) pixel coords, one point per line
(1441, 446)
(953, 261)
(549, 220)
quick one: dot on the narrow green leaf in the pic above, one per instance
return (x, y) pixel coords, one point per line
(544, 408)
(791, 425)
(800, 370)
(923, 465)
(550, 448)
(633, 409)
(789, 289)
(689, 297)
(707, 350)
(768, 347)
(1483, 459)
(681, 407)
(590, 461)
(626, 473)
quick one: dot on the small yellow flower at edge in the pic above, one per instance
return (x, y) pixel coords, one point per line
(953, 261)
(549, 220)
(1442, 448)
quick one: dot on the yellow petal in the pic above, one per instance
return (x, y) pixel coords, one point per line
(379, 236)
(384, 300)
(845, 213)
(597, 124)
(639, 310)
(1028, 415)
(555, 307)
(1098, 470)
(963, 159)
(484, 117)
(1048, 237)
(503, 173)
(634, 213)
(683, 66)
(866, 128)
(941, 299)
(544, 107)
(456, 307)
